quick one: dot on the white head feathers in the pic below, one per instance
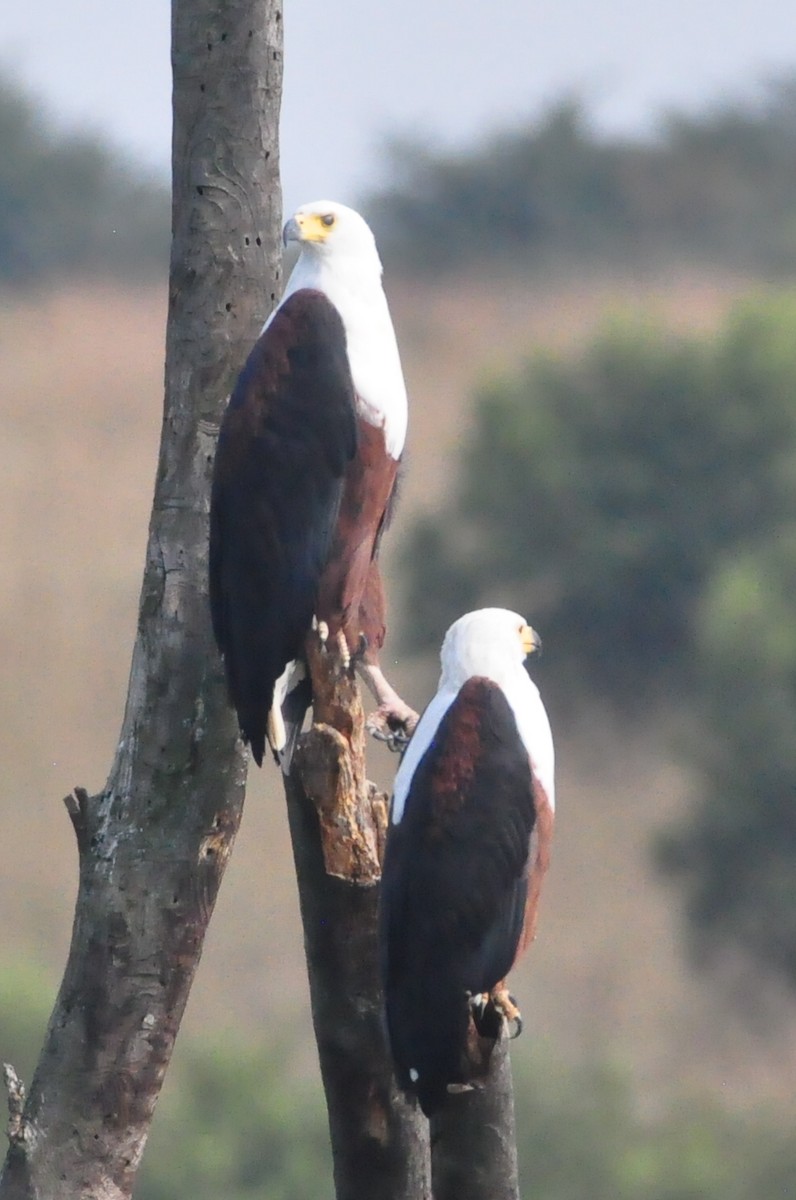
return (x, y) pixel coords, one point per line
(338, 256)
(326, 229)
(491, 641)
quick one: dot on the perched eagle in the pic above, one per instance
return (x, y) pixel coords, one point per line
(304, 477)
(468, 846)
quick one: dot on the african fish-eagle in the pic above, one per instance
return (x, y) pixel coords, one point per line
(304, 478)
(468, 845)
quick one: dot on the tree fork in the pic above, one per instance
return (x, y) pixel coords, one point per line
(154, 843)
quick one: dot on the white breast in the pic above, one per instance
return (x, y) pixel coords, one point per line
(421, 740)
(372, 346)
(534, 726)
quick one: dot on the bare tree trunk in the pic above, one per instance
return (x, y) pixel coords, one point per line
(473, 1139)
(380, 1141)
(338, 822)
(154, 843)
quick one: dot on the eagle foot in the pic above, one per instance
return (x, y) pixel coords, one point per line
(394, 721)
(392, 725)
(328, 644)
(491, 1010)
(506, 1005)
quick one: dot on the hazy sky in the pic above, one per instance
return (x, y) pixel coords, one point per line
(444, 69)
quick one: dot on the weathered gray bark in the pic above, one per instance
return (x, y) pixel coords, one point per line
(154, 843)
(337, 823)
(473, 1139)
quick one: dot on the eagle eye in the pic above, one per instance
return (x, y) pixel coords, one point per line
(328, 220)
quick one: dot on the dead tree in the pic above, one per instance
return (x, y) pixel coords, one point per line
(154, 842)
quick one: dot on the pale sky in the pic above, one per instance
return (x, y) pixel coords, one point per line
(447, 70)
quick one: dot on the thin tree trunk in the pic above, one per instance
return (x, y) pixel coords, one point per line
(154, 843)
(473, 1139)
(338, 823)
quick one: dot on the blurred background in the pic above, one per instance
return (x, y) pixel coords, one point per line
(589, 234)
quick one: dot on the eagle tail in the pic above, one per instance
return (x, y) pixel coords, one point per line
(257, 743)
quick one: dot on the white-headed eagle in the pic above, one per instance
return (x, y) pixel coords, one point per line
(467, 849)
(304, 478)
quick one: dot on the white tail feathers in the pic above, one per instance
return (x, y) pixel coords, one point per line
(292, 698)
(275, 729)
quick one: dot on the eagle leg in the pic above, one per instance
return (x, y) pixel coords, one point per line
(394, 721)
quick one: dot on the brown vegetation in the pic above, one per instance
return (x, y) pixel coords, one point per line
(82, 374)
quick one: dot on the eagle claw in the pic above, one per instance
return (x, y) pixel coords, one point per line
(491, 1009)
(506, 1005)
(394, 739)
(391, 727)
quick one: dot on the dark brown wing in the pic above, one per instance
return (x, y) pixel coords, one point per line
(286, 440)
(454, 886)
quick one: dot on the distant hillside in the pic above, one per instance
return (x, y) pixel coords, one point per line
(69, 203)
(718, 186)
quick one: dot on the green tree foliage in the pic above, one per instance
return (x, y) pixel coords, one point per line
(600, 494)
(68, 203)
(580, 1137)
(721, 185)
(738, 853)
(234, 1122)
(26, 997)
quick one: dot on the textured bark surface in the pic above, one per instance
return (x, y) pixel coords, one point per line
(337, 823)
(473, 1139)
(154, 843)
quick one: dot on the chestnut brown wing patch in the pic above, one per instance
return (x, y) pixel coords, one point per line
(351, 598)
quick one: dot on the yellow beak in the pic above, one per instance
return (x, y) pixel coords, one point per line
(305, 227)
(531, 642)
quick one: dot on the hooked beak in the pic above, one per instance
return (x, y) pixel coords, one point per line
(531, 642)
(291, 232)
